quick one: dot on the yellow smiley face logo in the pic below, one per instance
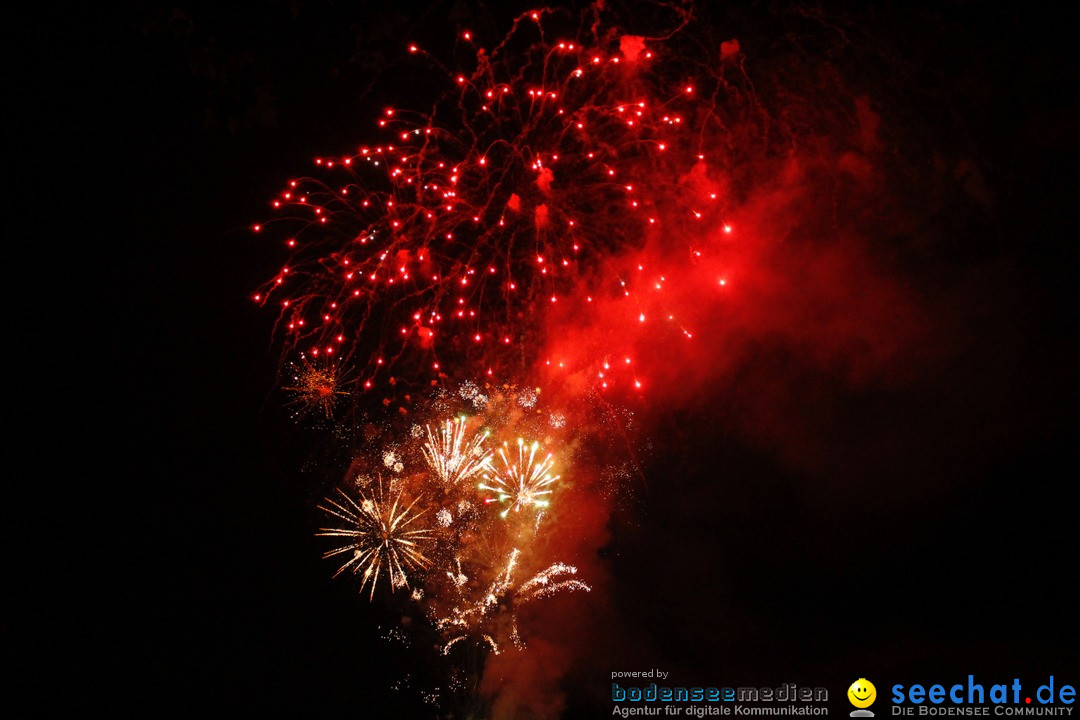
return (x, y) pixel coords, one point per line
(862, 693)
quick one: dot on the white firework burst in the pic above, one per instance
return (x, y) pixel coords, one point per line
(453, 455)
(381, 537)
(521, 482)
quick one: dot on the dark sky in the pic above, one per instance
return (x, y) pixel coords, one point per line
(197, 584)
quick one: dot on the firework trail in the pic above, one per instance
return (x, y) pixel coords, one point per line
(473, 615)
(438, 251)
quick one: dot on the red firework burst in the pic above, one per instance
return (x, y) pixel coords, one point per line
(447, 243)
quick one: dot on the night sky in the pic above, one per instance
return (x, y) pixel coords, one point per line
(790, 525)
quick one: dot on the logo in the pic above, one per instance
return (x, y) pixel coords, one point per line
(974, 698)
(862, 694)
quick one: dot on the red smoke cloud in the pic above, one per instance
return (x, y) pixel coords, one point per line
(780, 295)
(789, 263)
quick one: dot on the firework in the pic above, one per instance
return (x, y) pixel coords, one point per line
(470, 586)
(454, 245)
(477, 616)
(522, 482)
(569, 217)
(452, 456)
(316, 386)
(444, 244)
(380, 536)
(547, 582)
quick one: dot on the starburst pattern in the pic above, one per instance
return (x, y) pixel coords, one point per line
(520, 482)
(380, 536)
(453, 455)
(316, 386)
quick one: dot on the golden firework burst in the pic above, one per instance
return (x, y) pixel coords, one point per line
(381, 536)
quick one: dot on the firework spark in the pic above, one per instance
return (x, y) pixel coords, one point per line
(452, 456)
(476, 616)
(316, 386)
(521, 483)
(546, 583)
(380, 536)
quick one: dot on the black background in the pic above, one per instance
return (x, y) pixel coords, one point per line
(187, 577)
